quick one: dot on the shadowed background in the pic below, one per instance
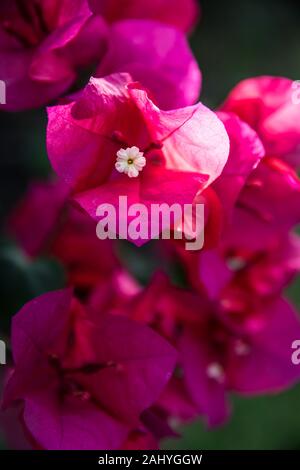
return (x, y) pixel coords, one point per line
(234, 40)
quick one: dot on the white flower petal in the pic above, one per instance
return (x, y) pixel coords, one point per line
(140, 162)
(134, 151)
(122, 154)
(132, 172)
(121, 166)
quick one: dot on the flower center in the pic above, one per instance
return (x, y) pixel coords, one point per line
(69, 384)
(29, 27)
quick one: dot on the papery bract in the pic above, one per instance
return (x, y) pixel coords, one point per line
(222, 329)
(10, 420)
(217, 361)
(84, 383)
(140, 440)
(36, 217)
(268, 206)
(45, 223)
(180, 13)
(246, 151)
(42, 44)
(156, 55)
(88, 261)
(185, 149)
(270, 105)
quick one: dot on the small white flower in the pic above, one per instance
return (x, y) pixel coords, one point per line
(216, 372)
(130, 161)
(241, 348)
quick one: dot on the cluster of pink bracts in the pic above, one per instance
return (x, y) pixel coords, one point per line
(107, 363)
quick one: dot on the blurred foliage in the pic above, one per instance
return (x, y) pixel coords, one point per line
(263, 423)
(22, 279)
(239, 39)
(234, 40)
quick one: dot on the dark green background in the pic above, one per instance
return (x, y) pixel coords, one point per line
(235, 39)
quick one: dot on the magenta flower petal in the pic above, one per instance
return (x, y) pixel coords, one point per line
(267, 104)
(145, 365)
(208, 394)
(266, 206)
(268, 367)
(195, 139)
(157, 56)
(29, 224)
(41, 47)
(180, 13)
(74, 426)
(22, 92)
(246, 151)
(34, 331)
(84, 380)
(168, 187)
(39, 323)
